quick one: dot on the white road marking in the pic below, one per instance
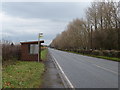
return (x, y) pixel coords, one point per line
(84, 63)
(71, 86)
(105, 69)
(99, 67)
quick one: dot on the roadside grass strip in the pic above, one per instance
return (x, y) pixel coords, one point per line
(102, 57)
(44, 54)
(23, 74)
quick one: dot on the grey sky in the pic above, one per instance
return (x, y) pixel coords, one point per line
(23, 21)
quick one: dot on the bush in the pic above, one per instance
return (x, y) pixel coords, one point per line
(88, 52)
(114, 53)
(97, 52)
(10, 51)
(118, 55)
(107, 53)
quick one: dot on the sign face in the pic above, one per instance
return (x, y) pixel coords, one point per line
(40, 35)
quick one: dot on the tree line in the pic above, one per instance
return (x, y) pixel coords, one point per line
(99, 30)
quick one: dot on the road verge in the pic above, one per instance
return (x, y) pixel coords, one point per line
(64, 78)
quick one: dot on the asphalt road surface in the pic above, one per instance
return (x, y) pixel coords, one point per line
(87, 72)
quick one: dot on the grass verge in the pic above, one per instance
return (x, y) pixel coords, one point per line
(108, 58)
(102, 57)
(44, 54)
(22, 74)
(0, 76)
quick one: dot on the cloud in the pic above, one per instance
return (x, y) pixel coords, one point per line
(50, 10)
(22, 29)
(22, 21)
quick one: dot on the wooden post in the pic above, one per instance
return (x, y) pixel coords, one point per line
(119, 37)
(91, 38)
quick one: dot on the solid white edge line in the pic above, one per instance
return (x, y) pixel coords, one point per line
(69, 80)
(71, 86)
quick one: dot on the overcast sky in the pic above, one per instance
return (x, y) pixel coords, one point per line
(22, 21)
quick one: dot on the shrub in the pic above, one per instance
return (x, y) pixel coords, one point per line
(114, 53)
(88, 52)
(10, 51)
(97, 52)
(118, 54)
(107, 53)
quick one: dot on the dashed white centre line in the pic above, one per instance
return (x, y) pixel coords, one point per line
(105, 69)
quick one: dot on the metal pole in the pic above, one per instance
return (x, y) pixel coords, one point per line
(40, 52)
(38, 47)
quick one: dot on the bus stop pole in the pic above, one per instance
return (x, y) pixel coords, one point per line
(40, 52)
(38, 47)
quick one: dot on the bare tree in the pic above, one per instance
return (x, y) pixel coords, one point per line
(104, 18)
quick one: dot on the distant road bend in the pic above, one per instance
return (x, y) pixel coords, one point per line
(87, 72)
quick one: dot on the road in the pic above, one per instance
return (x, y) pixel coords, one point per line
(87, 72)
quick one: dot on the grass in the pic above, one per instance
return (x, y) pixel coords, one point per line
(102, 57)
(0, 72)
(9, 62)
(108, 58)
(44, 54)
(0, 76)
(22, 74)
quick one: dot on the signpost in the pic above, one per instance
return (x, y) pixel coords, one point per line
(39, 46)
